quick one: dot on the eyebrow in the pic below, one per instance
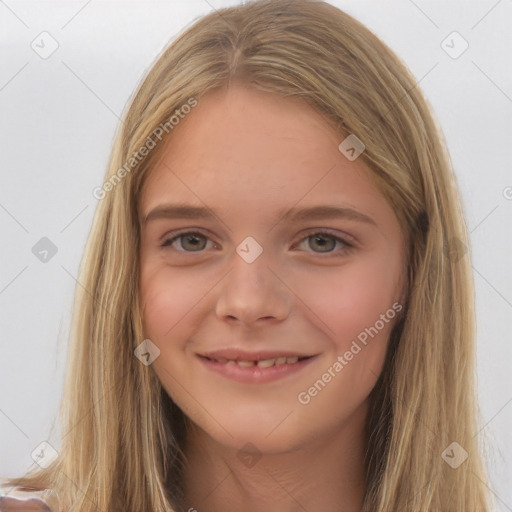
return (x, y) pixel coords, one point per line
(290, 215)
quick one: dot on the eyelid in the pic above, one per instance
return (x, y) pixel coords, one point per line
(344, 237)
(184, 231)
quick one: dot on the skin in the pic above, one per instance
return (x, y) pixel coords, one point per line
(246, 154)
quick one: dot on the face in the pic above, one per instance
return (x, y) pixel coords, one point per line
(272, 325)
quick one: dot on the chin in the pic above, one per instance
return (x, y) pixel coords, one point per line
(250, 438)
(268, 434)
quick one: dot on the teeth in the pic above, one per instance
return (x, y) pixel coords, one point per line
(266, 363)
(246, 364)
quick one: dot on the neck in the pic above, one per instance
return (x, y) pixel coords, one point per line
(325, 473)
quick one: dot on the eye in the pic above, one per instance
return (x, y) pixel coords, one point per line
(194, 241)
(318, 239)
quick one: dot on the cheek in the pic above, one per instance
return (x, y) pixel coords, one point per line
(168, 299)
(356, 303)
(352, 297)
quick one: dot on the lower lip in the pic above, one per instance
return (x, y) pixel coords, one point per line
(255, 374)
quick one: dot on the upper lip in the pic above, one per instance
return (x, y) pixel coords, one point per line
(243, 355)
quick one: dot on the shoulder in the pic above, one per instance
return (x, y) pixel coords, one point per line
(19, 499)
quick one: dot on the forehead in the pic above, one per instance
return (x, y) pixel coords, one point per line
(251, 151)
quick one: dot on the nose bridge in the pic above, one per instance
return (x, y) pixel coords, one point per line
(251, 261)
(250, 289)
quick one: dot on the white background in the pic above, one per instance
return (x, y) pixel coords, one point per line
(58, 117)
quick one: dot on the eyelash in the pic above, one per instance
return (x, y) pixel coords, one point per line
(346, 249)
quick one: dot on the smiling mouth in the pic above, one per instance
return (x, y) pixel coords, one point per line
(255, 367)
(263, 363)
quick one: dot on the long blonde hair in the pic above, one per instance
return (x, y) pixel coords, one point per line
(122, 434)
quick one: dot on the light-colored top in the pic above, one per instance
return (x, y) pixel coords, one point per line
(20, 499)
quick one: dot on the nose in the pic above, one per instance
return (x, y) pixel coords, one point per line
(253, 292)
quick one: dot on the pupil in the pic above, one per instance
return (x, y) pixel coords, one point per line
(322, 242)
(193, 239)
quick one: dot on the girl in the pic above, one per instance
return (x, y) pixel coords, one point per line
(276, 310)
